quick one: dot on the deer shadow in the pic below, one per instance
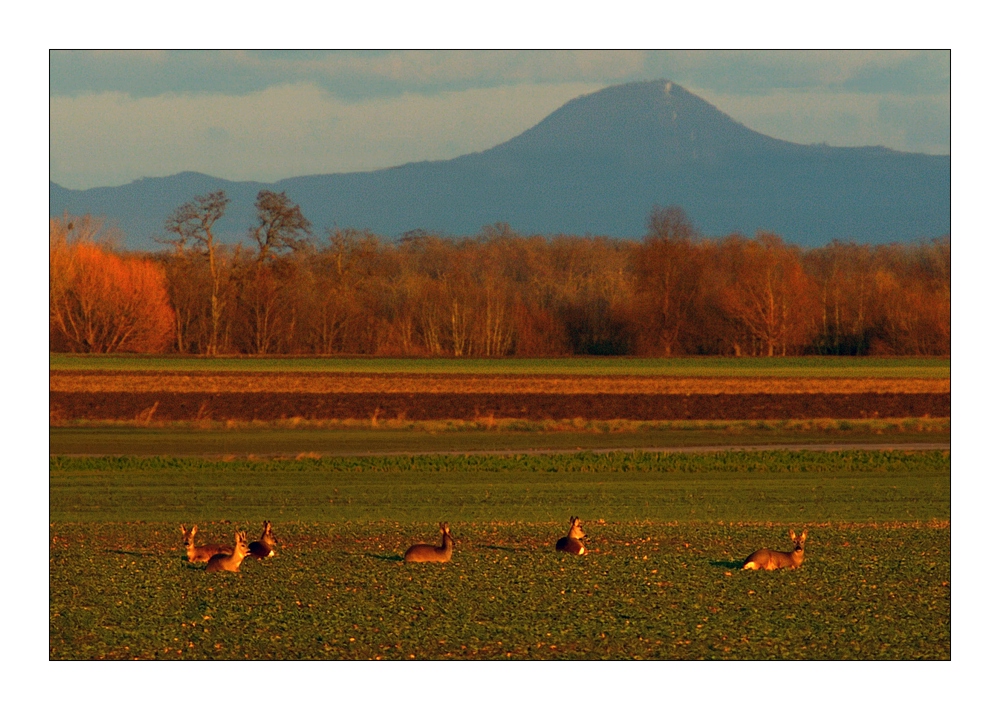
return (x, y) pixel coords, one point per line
(394, 557)
(134, 553)
(727, 564)
(504, 549)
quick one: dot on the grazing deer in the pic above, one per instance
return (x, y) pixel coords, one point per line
(202, 553)
(264, 547)
(430, 553)
(230, 562)
(769, 559)
(571, 543)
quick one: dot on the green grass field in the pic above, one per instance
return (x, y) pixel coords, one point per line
(866, 486)
(666, 534)
(427, 437)
(667, 367)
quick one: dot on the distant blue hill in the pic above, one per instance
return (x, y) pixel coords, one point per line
(597, 165)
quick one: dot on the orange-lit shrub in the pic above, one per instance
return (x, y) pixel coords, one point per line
(102, 302)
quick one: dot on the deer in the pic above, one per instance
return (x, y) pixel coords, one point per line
(201, 553)
(230, 562)
(260, 549)
(572, 542)
(769, 559)
(429, 553)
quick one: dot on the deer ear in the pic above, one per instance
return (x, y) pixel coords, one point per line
(194, 529)
(803, 535)
(791, 534)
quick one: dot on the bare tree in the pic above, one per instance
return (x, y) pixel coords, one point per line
(192, 222)
(280, 224)
(100, 300)
(667, 269)
(769, 293)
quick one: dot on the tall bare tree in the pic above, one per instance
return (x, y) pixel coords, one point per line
(667, 269)
(193, 222)
(280, 224)
(280, 227)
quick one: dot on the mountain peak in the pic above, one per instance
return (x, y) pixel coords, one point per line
(651, 120)
(597, 165)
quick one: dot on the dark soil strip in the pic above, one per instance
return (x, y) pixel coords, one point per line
(271, 406)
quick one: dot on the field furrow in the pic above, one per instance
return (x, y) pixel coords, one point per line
(271, 406)
(344, 383)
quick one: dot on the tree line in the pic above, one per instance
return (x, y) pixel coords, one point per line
(497, 293)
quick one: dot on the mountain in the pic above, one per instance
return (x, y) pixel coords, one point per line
(597, 165)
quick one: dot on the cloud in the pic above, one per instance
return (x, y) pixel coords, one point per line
(350, 75)
(756, 72)
(111, 138)
(264, 115)
(842, 118)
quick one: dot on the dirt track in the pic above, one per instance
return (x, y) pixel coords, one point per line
(269, 406)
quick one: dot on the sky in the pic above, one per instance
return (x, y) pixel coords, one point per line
(116, 116)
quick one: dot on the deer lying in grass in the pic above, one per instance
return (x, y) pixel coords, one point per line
(571, 543)
(201, 553)
(264, 547)
(230, 562)
(430, 553)
(769, 559)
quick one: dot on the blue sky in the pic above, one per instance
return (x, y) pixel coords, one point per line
(265, 115)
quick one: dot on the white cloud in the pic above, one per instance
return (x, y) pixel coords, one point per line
(283, 131)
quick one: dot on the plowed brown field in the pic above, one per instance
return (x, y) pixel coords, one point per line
(270, 396)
